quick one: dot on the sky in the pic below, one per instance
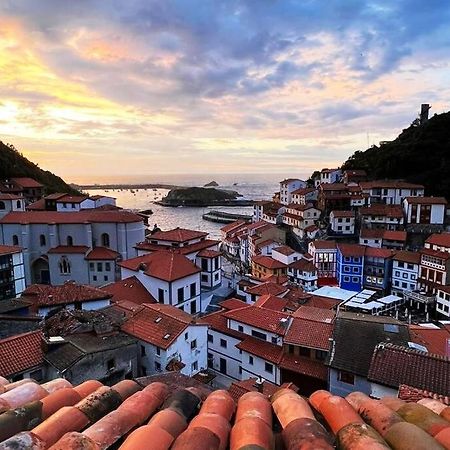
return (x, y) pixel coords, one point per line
(98, 90)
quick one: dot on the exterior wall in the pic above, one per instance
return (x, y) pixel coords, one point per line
(377, 274)
(6, 206)
(343, 389)
(443, 303)
(378, 391)
(259, 271)
(230, 354)
(12, 275)
(307, 280)
(257, 368)
(325, 260)
(95, 366)
(342, 225)
(350, 272)
(330, 177)
(404, 277)
(286, 259)
(433, 214)
(371, 242)
(286, 190)
(382, 222)
(102, 272)
(211, 275)
(78, 268)
(392, 196)
(70, 207)
(273, 338)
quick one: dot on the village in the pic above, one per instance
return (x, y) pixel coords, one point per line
(339, 285)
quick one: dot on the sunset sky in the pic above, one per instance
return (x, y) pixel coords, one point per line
(102, 89)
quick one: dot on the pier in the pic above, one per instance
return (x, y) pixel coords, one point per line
(225, 217)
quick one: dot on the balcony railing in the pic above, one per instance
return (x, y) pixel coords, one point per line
(419, 297)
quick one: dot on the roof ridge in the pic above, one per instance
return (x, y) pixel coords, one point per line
(18, 336)
(403, 349)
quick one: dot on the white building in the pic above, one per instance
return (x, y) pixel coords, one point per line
(301, 217)
(169, 339)
(381, 216)
(56, 245)
(171, 278)
(12, 272)
(303, 273)
(285, 254)
(330, 176)
(324, 258)
(287, 187)
(405, 271)
(342, 222)
(304, 195)
(10, 202)
(425, 210)
(390, 192)
(443, 301)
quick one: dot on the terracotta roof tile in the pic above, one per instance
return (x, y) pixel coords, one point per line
(20, 352)
(209, 253)
(367, 233)
(373, 252)
(343, 213)
(9, 249)
(441, 240)
(27, 182)
(426, 200)
(261, 349)
(316, 314)
(305, 366)
(178, 235)
(285, 250)
(167, 266)
(267, 288)
(218, 322)
(408, 257)
(158, 324)
(267, 261)
(393, 235)
(232, 303)
(436, 340)
(271, 302)
(263, 318)
(233, 226)
(129, 289)
(303, 265)
(69, 249)
(389, 184)
(324, 245)
(352, 249)
(102, 253)
(381, 209)
(309, 333)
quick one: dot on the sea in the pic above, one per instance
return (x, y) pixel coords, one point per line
(252, 187)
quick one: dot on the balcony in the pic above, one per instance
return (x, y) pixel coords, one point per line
(420, 297)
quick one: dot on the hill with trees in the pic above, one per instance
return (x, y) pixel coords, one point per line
(14, 164)
(420, 154)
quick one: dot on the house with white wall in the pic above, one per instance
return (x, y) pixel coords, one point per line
(330, 176)
(405, 271)
(11, 202)
(342, 222)
(303, 273)
(381, 216)
(171, 278)
(168, 339)
(287, 187)
(390, 192)
(424, 211)
(303, 196)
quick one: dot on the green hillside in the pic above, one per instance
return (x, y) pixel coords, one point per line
(14, 164)
(420, 154)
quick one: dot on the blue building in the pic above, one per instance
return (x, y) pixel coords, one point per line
(378, 269)
(350, 266)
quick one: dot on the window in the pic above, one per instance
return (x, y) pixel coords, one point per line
(142, 350)
(346, 279)
(291, 348)
(157, 366)
(204, 264)
(216, 276)
(161, 295)
(274, 340)
(69, 241)
(250, 360)
(321, 355)
(259, 335)
(355, 279)
(186, 336)
(240, 328)
(108, 267)
(210, 360)
(91, 266)
(110, 364)
(19, 204)
(268, 367)
(94, 277)
(223, 343)
(180, 295)
(346, 377)
(210, 338)
(105, 278)
(99, 267)
(304, 351)
(158, 351)
(193, 290)
(194, 366)
(205, 278)
(64, 266)
(15, 239)
(194, 344)
(42, 240)
(240, 370)
(105, 239)
(2, 205)
(193, 307)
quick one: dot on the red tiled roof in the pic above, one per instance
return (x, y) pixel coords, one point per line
(85, 216)
(334, 187)
(232, 303)
(322, 302)
(267, 288)
(218, 322)
(27, 182)
(389, 184)
(367, 233)
(303, 191)
(70, 292)
(208, 253)
(381, 209)
(393, 365)
(271, 302)
(343, 213)
(129, 289)
(304, 265)
(167, 266)
(314, 313)
(233, 226)
(426, 200)
(408, 257)
(268, 262)
(441, 240)
(311, 228)
(373, 252)
(102, 253)
(436, 340)
(352, 249)
(266, 243)
(285, 250)
(324, 245)
(436, 253)
(309, 333)
(299, 207)
(38, 205)
(184, 250)
(20, 352)
(412, 394)
(69, 249)
(9, 249)
(178, 235)
(306, 366)
(72, 198)
(262, 349)
(392, 235)
(4, 196)
(158, 324)
(263, 318)
(278, 279)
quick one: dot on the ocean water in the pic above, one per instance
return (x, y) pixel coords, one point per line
(184, 217)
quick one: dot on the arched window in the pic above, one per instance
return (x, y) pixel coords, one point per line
(64, 265)
(15, 239)
(19, 204)
(69, 241)
(105, 240)
(2, 205)
(42, 240)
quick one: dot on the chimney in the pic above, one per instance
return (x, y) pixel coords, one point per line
(424, 109)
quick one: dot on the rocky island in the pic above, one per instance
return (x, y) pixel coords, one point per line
(212, 184)
(200, 196)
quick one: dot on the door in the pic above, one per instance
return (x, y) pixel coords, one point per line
(45, 276)
(223, 366)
